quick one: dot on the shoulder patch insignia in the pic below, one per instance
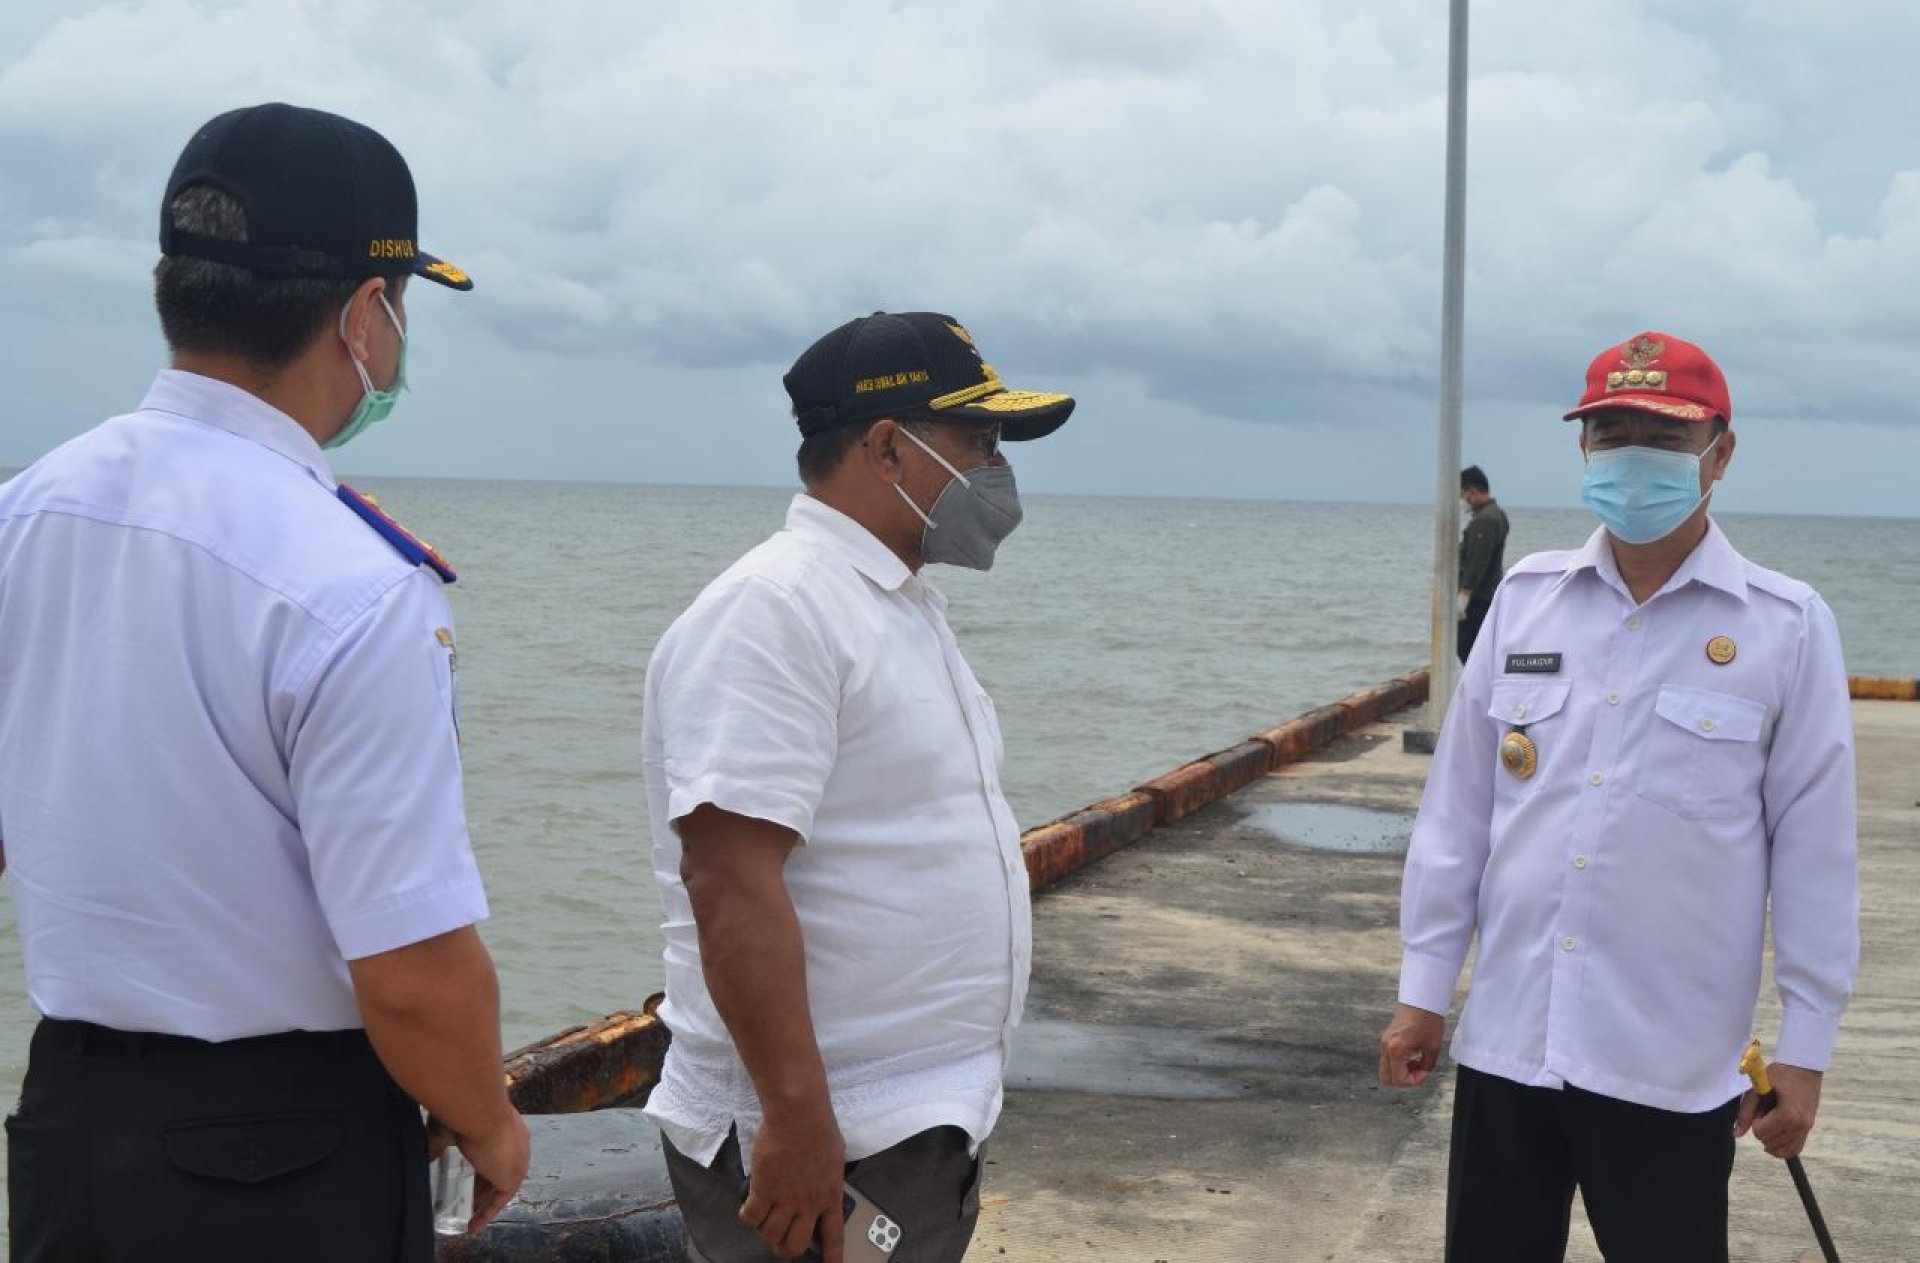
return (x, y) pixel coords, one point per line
(404, 542)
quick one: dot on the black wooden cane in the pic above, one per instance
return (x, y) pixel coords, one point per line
(1755, 1068)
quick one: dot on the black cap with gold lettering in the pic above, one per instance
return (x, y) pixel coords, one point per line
(893, 362)
(324, 197)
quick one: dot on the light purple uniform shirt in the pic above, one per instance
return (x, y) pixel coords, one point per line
(1621, 893)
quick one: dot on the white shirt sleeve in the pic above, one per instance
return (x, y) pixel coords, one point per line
(747, 707)
(374, 763)
(1809, 795)
(1440, 886)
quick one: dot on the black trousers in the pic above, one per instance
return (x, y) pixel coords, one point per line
(155, 1147)
(1654, 1182)
(1469, 625)
(928, 1183)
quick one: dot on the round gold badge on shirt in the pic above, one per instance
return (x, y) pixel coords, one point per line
(1721, 650)
(1518, 754)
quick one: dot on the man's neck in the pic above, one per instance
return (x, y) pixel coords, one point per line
(1646, 568)
(906, 548)
(291, 391)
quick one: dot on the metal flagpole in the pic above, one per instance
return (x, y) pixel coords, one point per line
(1444, 667)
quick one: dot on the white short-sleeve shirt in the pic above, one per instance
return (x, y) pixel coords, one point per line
(228, 761)
(817, 685)
(1692, 770)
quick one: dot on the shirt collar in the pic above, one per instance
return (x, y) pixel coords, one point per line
(239, 412)
(1713, 562)
(858, 545)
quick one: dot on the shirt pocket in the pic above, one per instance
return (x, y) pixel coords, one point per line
(1705, 753)
(1534, 707)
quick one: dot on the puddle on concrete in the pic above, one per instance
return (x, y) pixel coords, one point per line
(1333, 827)
(1053, 1056)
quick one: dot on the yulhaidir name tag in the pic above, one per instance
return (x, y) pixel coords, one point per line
(1533, 664)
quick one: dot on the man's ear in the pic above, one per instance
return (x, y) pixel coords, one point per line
(881, 448)
(360, 311)
(1723, 454)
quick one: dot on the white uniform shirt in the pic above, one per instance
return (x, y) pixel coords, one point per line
(1621, 892)
(227, 756)
(817, 685)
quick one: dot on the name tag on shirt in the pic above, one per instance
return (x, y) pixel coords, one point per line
(1533, 664)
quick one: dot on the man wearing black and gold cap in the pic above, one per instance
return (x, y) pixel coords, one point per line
(230, 792)
(847, 927)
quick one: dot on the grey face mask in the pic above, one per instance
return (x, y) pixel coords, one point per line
(975, 512)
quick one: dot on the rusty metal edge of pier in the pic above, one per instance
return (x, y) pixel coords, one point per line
(617, 1059)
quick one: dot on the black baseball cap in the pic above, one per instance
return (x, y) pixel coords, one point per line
(324, 197)
(893, 362)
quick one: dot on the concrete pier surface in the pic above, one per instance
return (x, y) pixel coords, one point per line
(1196, 1078)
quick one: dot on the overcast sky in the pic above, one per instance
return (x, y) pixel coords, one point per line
(1217, 222)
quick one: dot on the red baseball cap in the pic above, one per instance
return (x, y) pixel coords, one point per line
(1657, 373)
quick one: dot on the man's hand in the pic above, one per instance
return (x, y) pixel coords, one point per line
(1410, 1046)
(1460, 602)
(1784, 1129)
(432, 1011)
(755, 963)
(499, 1160)
(794, 1192)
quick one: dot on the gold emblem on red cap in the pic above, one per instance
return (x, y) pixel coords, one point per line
(1639, 356)
(1642, 352)
(1721, 650)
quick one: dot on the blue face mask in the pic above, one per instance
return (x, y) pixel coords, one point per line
(1643, 494)
(374, 404)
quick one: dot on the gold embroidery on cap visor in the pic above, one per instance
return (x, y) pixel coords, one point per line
(1519, 755)
(1012, 401)
(1651, 403)
(956, 398)
(449, 272)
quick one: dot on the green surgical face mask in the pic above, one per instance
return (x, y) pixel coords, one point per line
(374, 404)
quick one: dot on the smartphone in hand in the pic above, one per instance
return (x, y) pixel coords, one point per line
(872, 1235)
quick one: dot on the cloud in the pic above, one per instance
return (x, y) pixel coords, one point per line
(1234, 206)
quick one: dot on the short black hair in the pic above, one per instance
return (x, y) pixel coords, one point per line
(820, 454)
(1472, 478)
(219, 308)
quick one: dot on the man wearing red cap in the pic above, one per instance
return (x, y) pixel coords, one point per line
(1650, 746)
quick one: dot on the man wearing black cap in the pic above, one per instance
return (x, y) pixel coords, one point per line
(847, 931)
(230, 795)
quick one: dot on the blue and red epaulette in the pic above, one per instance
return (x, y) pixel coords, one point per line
(404, 541)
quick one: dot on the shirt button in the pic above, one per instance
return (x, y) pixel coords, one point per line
(1613, 699)
(1520, 712)
(1579, 861)
(1596, 779)
(1566, 944)
(1706, 725)
(1633, 624)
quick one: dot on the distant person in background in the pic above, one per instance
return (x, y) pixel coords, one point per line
(1483, 551)
(847, 930)
(1652, 751)
(230, 790)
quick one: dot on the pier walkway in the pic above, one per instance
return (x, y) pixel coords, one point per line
(1196, 1079)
